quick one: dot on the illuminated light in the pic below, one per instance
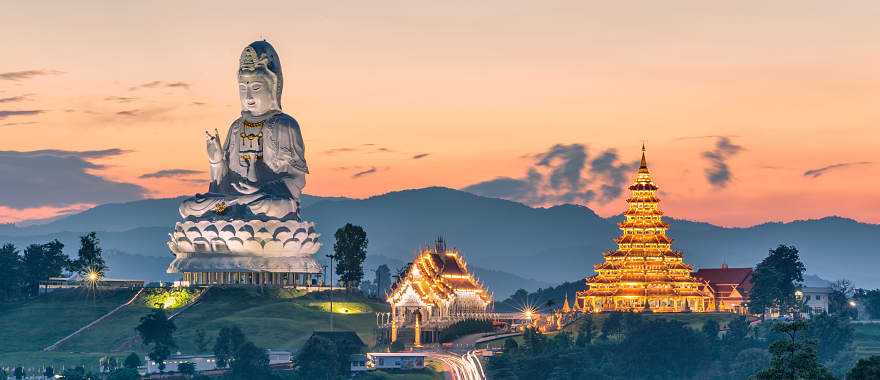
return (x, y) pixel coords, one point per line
(643, 261)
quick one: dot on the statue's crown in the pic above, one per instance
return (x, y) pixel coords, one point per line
(250, 61)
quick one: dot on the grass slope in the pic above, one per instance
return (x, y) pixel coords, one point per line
(271, 318)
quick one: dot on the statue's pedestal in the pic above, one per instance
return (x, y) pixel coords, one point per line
(245, 252)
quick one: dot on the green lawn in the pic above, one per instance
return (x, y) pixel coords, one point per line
(866, 340)
(276, 319)
(35, 324)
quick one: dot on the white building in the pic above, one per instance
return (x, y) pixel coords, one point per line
(207, 362)
(387, 360)
(815, 292)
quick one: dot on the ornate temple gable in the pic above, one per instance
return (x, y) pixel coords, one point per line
(644, 273)
(439, 277)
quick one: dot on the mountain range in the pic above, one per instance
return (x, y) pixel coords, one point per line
(508, 244)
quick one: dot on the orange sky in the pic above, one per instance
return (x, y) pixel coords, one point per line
(796, 84)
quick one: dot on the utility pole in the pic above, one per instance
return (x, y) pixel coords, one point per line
(331, 257)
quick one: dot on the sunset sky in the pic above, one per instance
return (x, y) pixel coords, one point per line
(751, 111)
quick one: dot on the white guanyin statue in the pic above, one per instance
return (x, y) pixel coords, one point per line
(251, 210)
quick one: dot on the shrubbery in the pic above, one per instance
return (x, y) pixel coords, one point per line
(465, 327)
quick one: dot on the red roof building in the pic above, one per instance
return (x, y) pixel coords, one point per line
(731, 287)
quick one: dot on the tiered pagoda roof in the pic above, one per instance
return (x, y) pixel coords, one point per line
(436, 274)
(643, 272)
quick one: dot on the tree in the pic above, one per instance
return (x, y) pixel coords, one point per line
(871, 300)
(748, 362)
(41, 261)
(838, 300)
(684, 351)
(3, 374)
(775, 280)
(586, 331)
(833, 333)
(510, 345)
(229, 340)
(865, 369)
(108, 363)
(711, 330)
(157, 330)
(315, 358)
(613, 326)
(201, 341)
(76, 373)
(350, 250)
(89, 257)
(250, 362)
(187, 369)
(383, 280)
(737, 329)
(124, 374)
(132, 361)
(10, 273)
(18, 373)
(48, 372)
(793, 357)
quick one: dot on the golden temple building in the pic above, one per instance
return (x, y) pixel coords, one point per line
(437, 286)
(644, 273)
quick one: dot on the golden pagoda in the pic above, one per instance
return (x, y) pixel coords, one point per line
(644, 273)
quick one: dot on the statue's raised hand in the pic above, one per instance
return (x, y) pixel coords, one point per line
(215, 150)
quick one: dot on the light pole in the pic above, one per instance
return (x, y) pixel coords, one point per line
(331, 257)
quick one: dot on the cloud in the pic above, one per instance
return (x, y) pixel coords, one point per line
(15, 99)
(5, 114)
(367, 148)
(199, 103)
(171, 173)
(338, 150)
(19, 123)
(718, 173)
(562, 174)
(818, 172)
(120, 99)
(607, 166)
(59, 178)
(178, 84)
(146, 114)
(27, 74)
(158, 83)
(420, 156)
(371, 170)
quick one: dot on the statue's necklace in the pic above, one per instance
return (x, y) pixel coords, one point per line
(253, 133)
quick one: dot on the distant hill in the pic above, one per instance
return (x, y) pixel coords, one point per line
(514, 241)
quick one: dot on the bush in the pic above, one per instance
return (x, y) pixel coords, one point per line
(465, 327)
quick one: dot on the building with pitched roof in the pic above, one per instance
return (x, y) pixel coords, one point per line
(730, 287)
(436, 286)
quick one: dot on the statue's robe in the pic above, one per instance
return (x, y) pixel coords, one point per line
(277, 164)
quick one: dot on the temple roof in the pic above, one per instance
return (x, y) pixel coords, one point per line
(436, 274)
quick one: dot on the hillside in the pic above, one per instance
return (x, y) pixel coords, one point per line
(277, 319)
(517, 242)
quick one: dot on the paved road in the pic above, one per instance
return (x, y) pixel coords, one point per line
(464, 367)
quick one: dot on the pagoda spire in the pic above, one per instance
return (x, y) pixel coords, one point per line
(643, 167)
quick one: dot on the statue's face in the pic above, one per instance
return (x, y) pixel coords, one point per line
(256, 93)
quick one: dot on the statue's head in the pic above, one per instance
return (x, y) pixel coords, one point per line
(259, 79)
